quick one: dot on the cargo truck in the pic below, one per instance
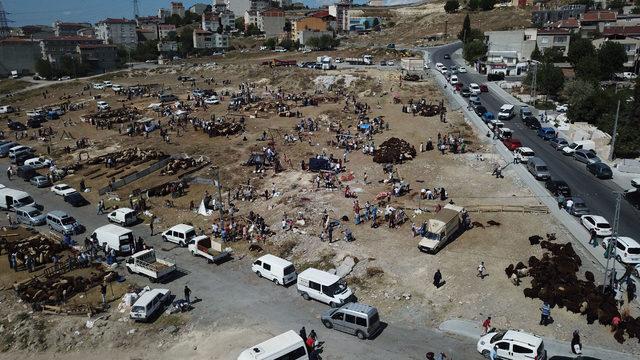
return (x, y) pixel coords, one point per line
(146, 263)
(211, 250)
(444, 227)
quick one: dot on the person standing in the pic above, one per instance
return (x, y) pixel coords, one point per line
(437, 278)
(303, 333)
(100, 207)
(103, 292)
(187, 294)
(493, 353)
(545, 313)
(592, 238)
(9, 219)
(9, 173)
(486, 325)
(576, 344)
(631, 291)
(151, 225)
(481, 270)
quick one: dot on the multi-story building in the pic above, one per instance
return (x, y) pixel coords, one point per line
(36, 31)
(56, 47)
(19, 54)
(596, 21)
(177, 9)
(271, 22)
(143, 21)
(221, 5)
(228, 20)
(203, 39)
(165, 29)
(508, 52)
(87, 32)
(627, 36)
(309, 24)
(250, 18)
(102, 57)
(121, 32)
(167, 46)
(147, 34)
(339, 11)
(68, 29)
(164, 14)
(210, 21)
(553, 38)
(198, 8)
(542, 17)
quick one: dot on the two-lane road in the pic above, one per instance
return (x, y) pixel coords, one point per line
(600, 195)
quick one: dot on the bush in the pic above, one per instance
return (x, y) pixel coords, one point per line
(451, 6)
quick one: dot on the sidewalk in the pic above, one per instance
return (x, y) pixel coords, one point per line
(471, 329)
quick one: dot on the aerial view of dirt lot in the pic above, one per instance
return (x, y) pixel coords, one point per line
(271, 138)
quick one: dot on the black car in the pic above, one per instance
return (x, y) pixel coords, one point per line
(21, 158)
(531, 122)
(558, 186)
(633, 197)
(34, 122)
(17, 126)
(600, 170)
(480, 110)
(26, 172)
(75, 199)
(447, 56)
(465, 92)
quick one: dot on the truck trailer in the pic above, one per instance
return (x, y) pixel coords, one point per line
(444, 227)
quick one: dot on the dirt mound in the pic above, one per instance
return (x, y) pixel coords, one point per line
(394, 150)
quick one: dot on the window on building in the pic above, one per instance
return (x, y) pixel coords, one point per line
(560, 39)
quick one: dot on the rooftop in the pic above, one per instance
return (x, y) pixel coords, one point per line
(71, 38)
(621, 31)
(553, 31)
(96, 46)
(567, 23)
(599, 16)
(116, 21)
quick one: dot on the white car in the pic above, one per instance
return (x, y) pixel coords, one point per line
(62, 189)
(628, 250)
(116, 87)
(453, 80)
(212, 100)
(102, 105)
(391, 63)
(179, 234)
(98, 86)
(523, 154)
(598, 223)
(64, 78)
(38, 162)
(107, 83)
(462, 69)
(562, 108)
(474, 88)
(513, 345)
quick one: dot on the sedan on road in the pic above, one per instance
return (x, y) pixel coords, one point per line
(558, 143)
(512, 143)
(447, 56)
(597, 223)
(75, 199)
(600, 170)
(531, 122)
(586, 156)
(465, 92)
(462, 69)
(579, 207)
(62, 189)
(39, 181)
(558, 186)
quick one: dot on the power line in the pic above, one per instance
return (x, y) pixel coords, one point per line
(136, 9)
(4, 23)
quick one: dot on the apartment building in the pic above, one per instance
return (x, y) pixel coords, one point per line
(121, 32)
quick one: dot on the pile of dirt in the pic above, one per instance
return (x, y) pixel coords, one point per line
(555, 281)
(394, 150)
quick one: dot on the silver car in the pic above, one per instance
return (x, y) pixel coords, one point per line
(40, 181)
(29, 215)
(586, 156)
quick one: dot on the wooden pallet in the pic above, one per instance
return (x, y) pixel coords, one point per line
(525, 209)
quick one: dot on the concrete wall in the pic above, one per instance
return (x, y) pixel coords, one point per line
(19, 56)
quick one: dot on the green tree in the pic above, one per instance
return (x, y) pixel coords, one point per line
(148, 50)
(588, 69)
(474, 50)
(473, 5)
(466, 28)
(536, 54)
(288, 44)
(251, 30)
(487, 5)
(628, 140)
(44, 68)
(549, 79)
(271, 43)
(451, 6)
(185, 45)
(552, 55)
(239, 23)
(220, 29)
(376, 23)
(617, 5)
(577, 92)
(287, 27)
(366, 24)
(612, 58)
(324, 42)
(579, 47)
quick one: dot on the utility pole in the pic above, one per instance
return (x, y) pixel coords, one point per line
(534, 82)
(614, 134)
(610, 269)
(4, 23)
(216, 172)
(136, 9)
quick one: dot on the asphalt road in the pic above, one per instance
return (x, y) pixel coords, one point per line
(234, 297)
(600, 195)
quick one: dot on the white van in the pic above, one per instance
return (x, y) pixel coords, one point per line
(179, 234)
(578, 145)
(114, 237)
(123, 216)
(11, 199)
(506, 112)
(6, 109)
(149, 303)
(288, 346)
(474, 88)
(324, 287)
(19, 149)
(278, 270)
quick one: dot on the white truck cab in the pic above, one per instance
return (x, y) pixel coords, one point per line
(123, 216)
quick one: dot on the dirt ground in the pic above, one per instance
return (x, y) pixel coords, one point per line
(390, 272)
